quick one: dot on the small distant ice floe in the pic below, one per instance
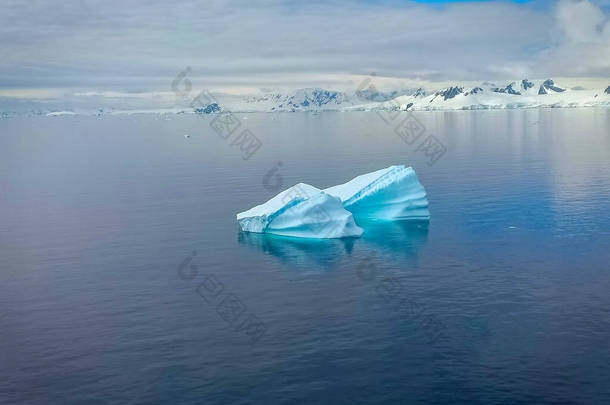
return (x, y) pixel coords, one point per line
(58, 113)
(390, 194)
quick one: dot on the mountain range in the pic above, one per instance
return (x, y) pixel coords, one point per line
(523, 93)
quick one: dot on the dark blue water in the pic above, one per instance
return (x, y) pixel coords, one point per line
(124, 278)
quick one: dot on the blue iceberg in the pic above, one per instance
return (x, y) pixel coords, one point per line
(301, 211)
(393, 194)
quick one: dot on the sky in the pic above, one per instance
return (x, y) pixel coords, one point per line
(140, 45)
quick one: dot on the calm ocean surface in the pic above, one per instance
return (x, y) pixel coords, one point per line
(124, 277)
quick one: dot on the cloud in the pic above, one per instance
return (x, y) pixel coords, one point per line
(581, 44)
(143, 44)
(581, 22)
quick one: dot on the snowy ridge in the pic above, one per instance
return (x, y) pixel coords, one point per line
(303, 99)
(523, 93)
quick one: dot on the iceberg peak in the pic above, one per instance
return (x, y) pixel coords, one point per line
(301, 211)
(393, 193)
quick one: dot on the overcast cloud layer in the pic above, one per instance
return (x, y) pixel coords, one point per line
(284, 43)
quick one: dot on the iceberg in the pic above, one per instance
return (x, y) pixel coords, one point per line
(392, 194)
(301, 211)
(304, 211)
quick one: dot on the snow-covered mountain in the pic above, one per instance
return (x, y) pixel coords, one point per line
(316, 99)
(521, 93)
(301, 100)
(517, 94)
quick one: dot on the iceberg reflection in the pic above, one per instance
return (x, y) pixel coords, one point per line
(392, 241)
(324, 253)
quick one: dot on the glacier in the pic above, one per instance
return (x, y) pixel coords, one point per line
(393, 194)
(302, 211)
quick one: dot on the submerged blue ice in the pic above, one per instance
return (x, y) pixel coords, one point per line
(392, 194)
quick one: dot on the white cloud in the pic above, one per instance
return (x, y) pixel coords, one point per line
(582, 42)
(580, 21)
(143, 44)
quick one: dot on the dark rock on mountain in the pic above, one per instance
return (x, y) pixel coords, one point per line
(209, 109)
(547, 85)
(450, 92)
(319, 97)
(474, 91)
(526, 84)
(508, 89)
(419, 93)
(313, 98)
(551, 85)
